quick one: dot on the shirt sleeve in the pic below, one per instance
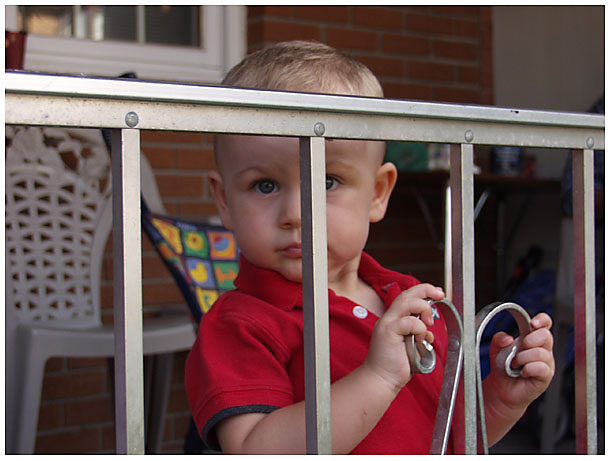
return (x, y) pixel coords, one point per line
(236, 366)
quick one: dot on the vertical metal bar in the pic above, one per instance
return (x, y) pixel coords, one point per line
(140, 24)
(463, 276)
(585, 301)
(447, 249)
(129, 400)
(315, 295)
(78, 22)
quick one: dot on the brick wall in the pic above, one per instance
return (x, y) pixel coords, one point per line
(438, 53)
(432, 53)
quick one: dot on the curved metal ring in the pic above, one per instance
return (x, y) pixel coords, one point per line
(453, 366)
(451, 376)
(505, 355)
(421, 356)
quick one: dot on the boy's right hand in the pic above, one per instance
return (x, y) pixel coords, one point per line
(387, 357)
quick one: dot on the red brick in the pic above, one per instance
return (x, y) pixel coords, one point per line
(462, 10)
(407, 91)
(405, 45)
(428, 24)
(455, 50)
(106, 300)
(92, 411)
(379, 17)
(177, 401)
(399, 254)
(171, 137)
(487, 79)
(351, 39)
(178, 372)
(197, 209)
(180, 427)
(180, 186)
(195, 159)
(254, 34)
(335, 14)
(459, 95)
(469, 74)
(50, 416)
(79, 363)
(430, 71)
(153, 267)
(159, 293)
(86, 440)
(108, 438)
(73, 385)
(380, 66)
(467, 29)
(55, 364)
(485, 16)
(107, 268)
(160, 157)
(275, 10)
(275, 31)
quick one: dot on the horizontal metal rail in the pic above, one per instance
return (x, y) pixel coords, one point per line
(130, 106)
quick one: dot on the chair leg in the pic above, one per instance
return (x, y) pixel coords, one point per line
(162, 375)
(31, 372)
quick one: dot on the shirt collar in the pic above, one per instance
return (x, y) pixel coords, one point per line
(274, 289)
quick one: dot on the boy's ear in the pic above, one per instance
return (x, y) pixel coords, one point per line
(217, 188)
(386, 178)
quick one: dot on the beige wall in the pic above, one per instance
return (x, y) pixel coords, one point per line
(546, 58)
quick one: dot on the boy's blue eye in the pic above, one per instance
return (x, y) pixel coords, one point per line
(265, 187)
(331, 182)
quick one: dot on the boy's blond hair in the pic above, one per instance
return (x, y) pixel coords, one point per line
(306, 66)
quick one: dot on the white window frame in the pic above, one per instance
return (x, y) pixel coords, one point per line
(223, 36)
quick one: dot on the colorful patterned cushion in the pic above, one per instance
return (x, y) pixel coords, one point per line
(202, 258)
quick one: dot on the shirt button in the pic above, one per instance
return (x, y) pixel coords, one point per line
(360, 312)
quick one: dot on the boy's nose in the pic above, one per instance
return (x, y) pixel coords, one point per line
(290, 214)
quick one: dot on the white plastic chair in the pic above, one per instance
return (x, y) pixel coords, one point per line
(58, 219)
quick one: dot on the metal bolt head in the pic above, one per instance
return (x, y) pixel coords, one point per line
(319, 128)
(131, 119)
(453, 344)
(468, 135)
(590, 142)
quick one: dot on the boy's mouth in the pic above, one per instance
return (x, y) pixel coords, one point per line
(292, 251)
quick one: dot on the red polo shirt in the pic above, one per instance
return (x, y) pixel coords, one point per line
(248, 356)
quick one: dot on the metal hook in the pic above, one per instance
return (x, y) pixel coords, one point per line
(422, 360)
(505, 355)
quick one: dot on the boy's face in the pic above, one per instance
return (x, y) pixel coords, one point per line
(258, 195)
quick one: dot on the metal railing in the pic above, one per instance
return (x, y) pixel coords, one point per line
(130, 106)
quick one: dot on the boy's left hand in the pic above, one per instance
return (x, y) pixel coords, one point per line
(536, 358)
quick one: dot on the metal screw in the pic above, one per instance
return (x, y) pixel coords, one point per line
(468, 135)
(453, 344)
(131, 119)
(319, 128)
(590, 142)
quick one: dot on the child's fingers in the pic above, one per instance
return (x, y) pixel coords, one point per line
(414, 302)
(411, 325)
(541, 320)
(535, 355)
(540, 371)
(499, 341)
(538, 338)
(426, 290)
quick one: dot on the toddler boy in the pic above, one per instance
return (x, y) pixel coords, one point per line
(244, 375)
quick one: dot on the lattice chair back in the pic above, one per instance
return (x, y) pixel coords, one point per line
(56, 189)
